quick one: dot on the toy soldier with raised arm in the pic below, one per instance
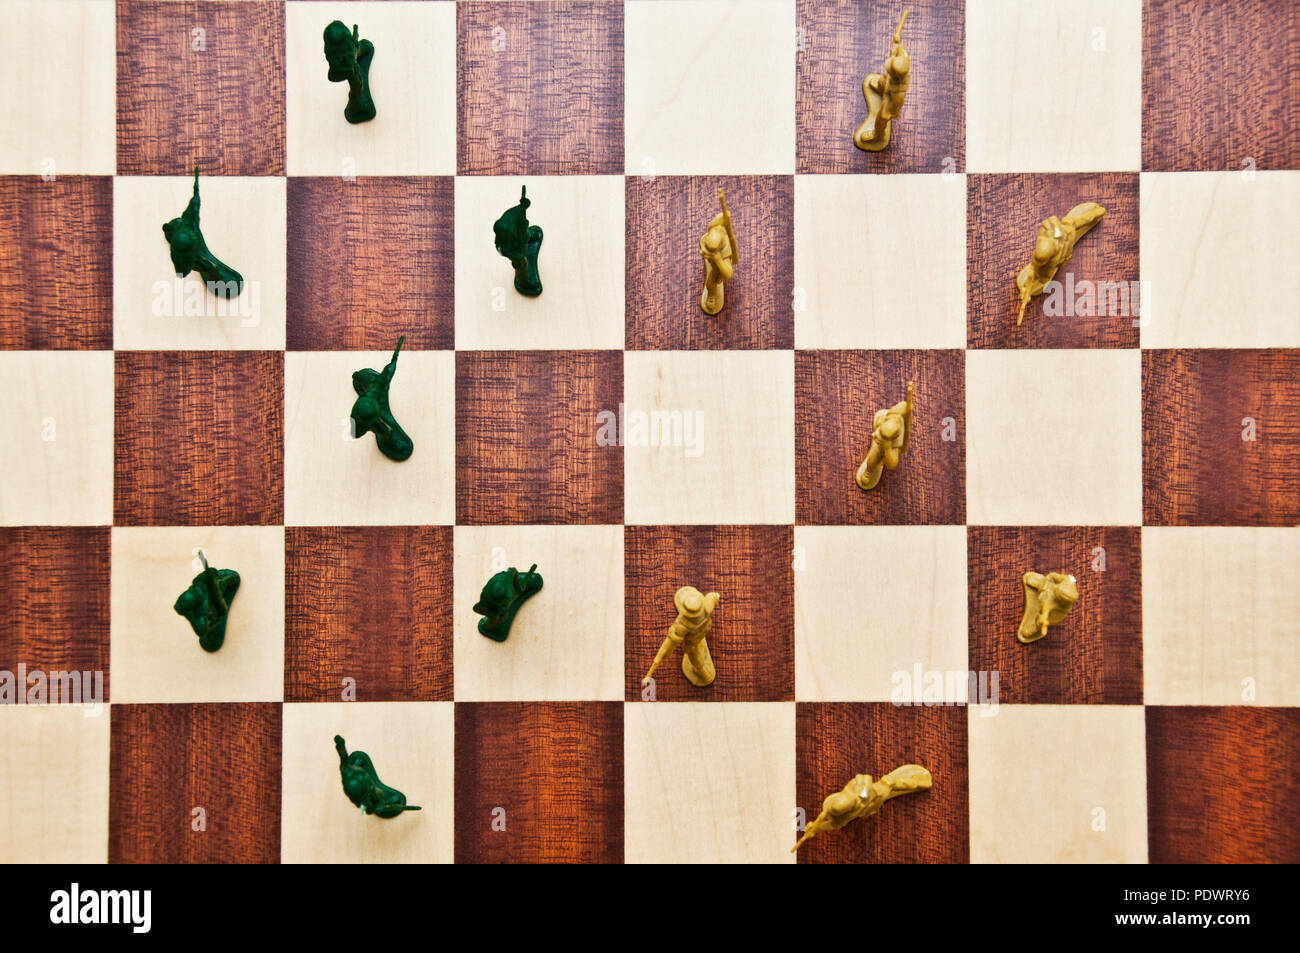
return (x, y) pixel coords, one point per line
(349, 58)
(190, 252)
(891, 430)
(884, 93)
(371, 413)
(521, 243)
(363, 788)
(206, 603)
(720, 254)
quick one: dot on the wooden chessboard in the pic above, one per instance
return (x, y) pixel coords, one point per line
(1152, 455)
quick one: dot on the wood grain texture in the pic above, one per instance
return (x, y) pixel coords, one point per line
(526, 428)
(551, 101)
(837, 393)
(1196, 468)
(199, 438)
(1003, 213)
(836, 741)
(557, 770)
(1247, 753)
(221, 107)
(55, 614)
(1220, 83)
(752, 642)
(369, 603)
(368, 261)
(166, 760)
(665, 275)
(844, 41)
(56, 263)
(1095, 655)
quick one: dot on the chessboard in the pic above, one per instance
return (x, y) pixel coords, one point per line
(1141, 434)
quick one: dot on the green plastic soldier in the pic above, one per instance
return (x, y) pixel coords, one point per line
(520, 242)
(206, 603)
(349, 57)
(190, 252)
(501, 598)
(371, 413)
(362, 785)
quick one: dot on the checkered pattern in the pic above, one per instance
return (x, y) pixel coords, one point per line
(1107, 447)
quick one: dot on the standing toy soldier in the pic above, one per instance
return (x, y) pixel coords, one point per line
(884, 93)
(362, 785)
(349, 57)
(190, 252)
(694, 621)
(206, 603)
(371, 412)
(720, 254)
(521, 243)
(501, 598)
(891, 430)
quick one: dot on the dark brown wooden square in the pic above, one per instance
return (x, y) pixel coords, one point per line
(167, 760)
(1220, 84)
(539, 88)
(199, 438)
(526, 425)
(370, 603)
(1003, 213)
(665, 274)
(1221, 785)
(56, 263)
(835, 741)
(220, 107)
(555, 768)
(837, 393)
(368, 261)
(752, 642)
(55, 614)
(1197, 469)
(1095, 655)
(838, 43)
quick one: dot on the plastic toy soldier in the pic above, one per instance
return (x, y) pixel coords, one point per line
(371, 412)
(890, 432)
(190, 252)
(521, 243)
(694, 621)
(501, 598)
(720, 254)
(362, 785)
(884, 93)
(862, 797)
(1048, 600)
(206, 603)
(349, 57)
(1053, 248)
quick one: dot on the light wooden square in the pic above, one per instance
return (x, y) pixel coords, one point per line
(879, 641)
(1054, 438)
(54, 799)
(243, 224)
(709, 784)
(1058, 784)
(1053, 85)
(155, 655)
(905, 236)
(581, 265)
(412, 746)
(57, 468)
(566, 643)
(58, 70)
(735, 464)
(412, 81)
(709, 87)
(1218, 259)
(1220, 615)
(334, 479)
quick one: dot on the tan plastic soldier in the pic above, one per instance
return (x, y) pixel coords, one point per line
(863, 797)
(694, 621)
(1053, 248)
(718, 249)
(890, 432)
(884, 93)
(1048, 600)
